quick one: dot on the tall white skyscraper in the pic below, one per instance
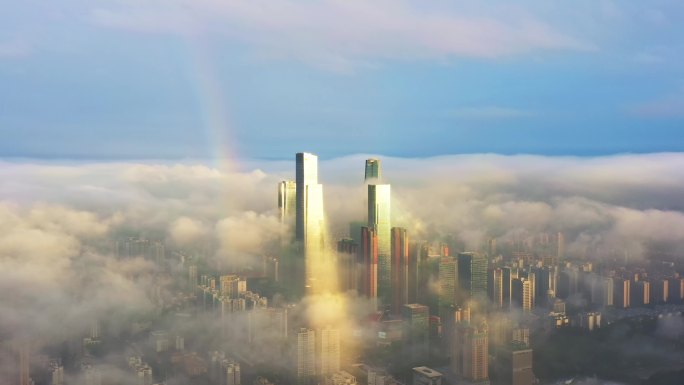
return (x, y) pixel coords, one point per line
(379, 220)
(307, 174)
(310, 226)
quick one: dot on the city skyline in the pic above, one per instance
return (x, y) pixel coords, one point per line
(342, 192)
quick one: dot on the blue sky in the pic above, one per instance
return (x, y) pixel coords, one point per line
(264, 79)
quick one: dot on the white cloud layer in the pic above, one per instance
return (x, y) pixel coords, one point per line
(344, 34)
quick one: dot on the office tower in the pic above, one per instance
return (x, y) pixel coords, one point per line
(508, 275)
(608, 291)
(233, 376)
(306, 356)
(522, 294)
(568, 282)
(448, 281)
(307, 174)
(472, 275)
(545, 286)
(491, 247)
(24, 364)
(373, 171)
(192, 278)
(516, 365)
(659, 291)
(676, 288)
(640, 293)
(309, 224)
(368, 264)
(560, 246)
(470, 354)
(622, 291)
(347, 252)
(423, 375)
(232, 286)
(329, 354)
(495, 286)
(287, 199)
(379, 219)
(532, 277)
(400, 269)
(416, 329)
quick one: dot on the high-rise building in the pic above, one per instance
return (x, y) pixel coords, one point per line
(192, 278)
(416, 319)
(379, 219)
(640, 293)
(545, 285)
(306, 356)
(659, 291)
(448, 281)
(608, 292)
(232, 286)
(495, 285)
(373, 170)
(287, 199)
(400, 269)
(329, 354)
(368, 264)
(622, 292)
(522, 294)
(560, 246)
(470, 354)
(231, 371)
(24, 364)
(472, 275)
(307, 174)
(508, 275)
(347, 252)
(676, 288)
(516, 364)
(309, 224)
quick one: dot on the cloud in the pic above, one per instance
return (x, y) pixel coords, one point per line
(488, 113)
(56, 243)
(344, 34)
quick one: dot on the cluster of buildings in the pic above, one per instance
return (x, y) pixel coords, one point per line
(447, 315)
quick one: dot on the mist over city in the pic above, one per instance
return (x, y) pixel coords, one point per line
(341, 193)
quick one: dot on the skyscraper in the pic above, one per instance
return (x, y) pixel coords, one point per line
(470, 355)
(379, 219)
(306, 355)
(416, 328)
(448, 281)
(310, 226)
(400, 269)
(373, 170)
(287, 199)
(368, 264)
(495, 285)
(472, 275)
(522, 294)
(509, 274)
(307, 174)
(560, 246)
